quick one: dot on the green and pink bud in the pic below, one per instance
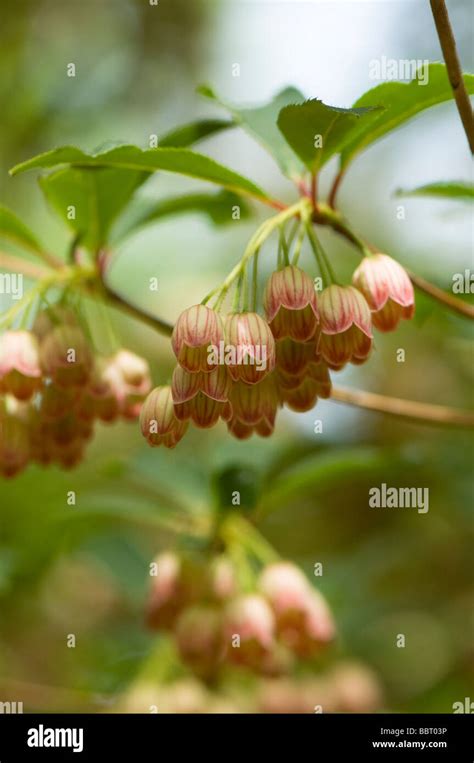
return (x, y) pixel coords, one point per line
(158, 422)
(250, 355)
(197, 330)
(66, 357)
(303, 619)
(20, 372)
(388, 290)
(346, 326)
(249, 630)
(290, 304)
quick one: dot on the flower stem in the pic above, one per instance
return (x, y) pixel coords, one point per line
(410, 409)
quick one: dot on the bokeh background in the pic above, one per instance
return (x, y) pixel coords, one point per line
(84, 569)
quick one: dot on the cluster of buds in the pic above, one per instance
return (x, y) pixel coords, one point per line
(215, 623)
(243, 368)
(53, 387)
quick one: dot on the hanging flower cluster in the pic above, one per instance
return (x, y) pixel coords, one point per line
(242, 368)
(215, 621)
(53, 387)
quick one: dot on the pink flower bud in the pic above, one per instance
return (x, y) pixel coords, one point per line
(66, 357)
(250, 347)
(346, 330)
(158, 422)
(290, 304)
(129, 377)
(387, 289)
(20, 373)
(199, 639)
(196, 330)
(303, 619)
(249, 629)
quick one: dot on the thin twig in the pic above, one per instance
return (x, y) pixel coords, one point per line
(451, 58)
(410, 409)
(334, 189)
(139, 313)
(449, 300)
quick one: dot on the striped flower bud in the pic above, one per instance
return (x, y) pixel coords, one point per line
(20, 372)
(346, 330)
(249, 629)
(302, 398)
(303, 619)
(66, 356)
(14, 444)
(199, 639)
(294, 357)
(158, 423)
(250, 347)
(201, 397)
(290, 304)
(251, 403)
(387, 289)
(242, 431)
(197, 330)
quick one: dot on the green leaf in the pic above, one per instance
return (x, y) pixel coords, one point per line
(89, 201)
(217, 206)
(179, 160)
(260, 123)
(454, 189)
(316, 131)
(184, 136)
(402, 101)
(12, 228)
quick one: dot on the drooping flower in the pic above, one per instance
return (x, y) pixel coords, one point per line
(254, 408)
(249, 630)
(197, 331)
(388, 290)
(290, 304)
(158, 423)
(250, 347)
(346, 330)
(128, 375)
(201, 397)
(66, 356)
(303, 619)
(49, 319)
(294, 357)
(20, 372)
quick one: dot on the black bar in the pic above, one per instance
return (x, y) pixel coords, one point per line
(217, 737)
